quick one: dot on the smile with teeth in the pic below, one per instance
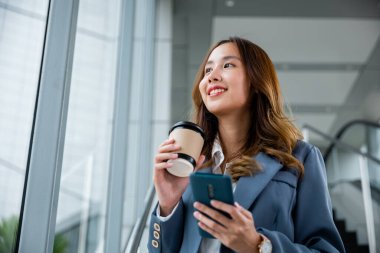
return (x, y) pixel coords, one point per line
(217, 92)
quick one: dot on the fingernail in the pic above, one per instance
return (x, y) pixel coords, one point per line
(174, 155)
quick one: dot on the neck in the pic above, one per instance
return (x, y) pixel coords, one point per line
(232, 133)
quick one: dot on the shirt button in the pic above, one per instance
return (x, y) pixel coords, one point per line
(156, 235)
(156, 227)
(155, 243)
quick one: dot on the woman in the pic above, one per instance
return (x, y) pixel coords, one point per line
(282, 202)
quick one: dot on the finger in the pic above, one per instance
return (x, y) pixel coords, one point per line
(247, 214)
(209, 230)
(165, 156)
(230, 209)
(222, 206)
(165, 165)
(215, 215)
(169, 148)
(167, 141)
(211, 224)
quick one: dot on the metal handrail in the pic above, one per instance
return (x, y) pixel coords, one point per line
(364, 178)
(336, 141)
(134, 239)
(344, 128)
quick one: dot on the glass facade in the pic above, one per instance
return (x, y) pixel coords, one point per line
(85, 168)
(22, 30)
(78, 77)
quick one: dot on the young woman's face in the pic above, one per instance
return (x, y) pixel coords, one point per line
(224, 87)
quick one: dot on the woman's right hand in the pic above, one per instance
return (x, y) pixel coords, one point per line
(169, 188)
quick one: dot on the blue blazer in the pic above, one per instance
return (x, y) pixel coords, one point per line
(294, 213)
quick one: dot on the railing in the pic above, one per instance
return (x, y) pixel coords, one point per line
(336, 141)
(134, 240)
(363, 158)
(344, 129)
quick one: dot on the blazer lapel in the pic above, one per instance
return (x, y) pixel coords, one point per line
(248, 188)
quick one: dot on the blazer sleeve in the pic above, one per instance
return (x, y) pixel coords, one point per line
(314, 228)
(166, 236)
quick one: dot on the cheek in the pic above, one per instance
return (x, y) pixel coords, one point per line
(202, 89)
(244, 91)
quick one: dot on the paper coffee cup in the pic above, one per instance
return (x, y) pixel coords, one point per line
(190, 137)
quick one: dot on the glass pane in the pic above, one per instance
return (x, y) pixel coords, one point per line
(374, 180)
(373, 140)
(84, 180)
(22, 30)
(135, 193)
(345, 171)
(367, 139)
(355, 136)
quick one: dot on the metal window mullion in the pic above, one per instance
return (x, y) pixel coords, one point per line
(146, 113)
(119, 143)
(46, 148)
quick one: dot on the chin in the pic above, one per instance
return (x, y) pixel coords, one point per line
(217, 111)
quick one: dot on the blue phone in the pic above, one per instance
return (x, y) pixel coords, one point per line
(207, 186)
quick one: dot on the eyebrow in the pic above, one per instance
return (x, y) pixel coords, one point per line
(228, 57)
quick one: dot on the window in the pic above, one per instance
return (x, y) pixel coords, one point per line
(22, 30)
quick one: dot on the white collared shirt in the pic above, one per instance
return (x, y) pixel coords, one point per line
(208, 245)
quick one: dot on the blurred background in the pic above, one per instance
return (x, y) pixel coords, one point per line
(88, 90)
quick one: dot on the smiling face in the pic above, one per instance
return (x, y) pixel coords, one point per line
(224, 87)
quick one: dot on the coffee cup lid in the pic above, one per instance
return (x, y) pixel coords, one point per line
(188, 125)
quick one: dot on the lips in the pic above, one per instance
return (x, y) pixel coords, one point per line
(215, 90)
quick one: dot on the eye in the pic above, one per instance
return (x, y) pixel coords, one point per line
(228, 65)
(208, 70)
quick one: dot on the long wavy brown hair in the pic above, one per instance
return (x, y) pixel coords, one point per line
(270, 129)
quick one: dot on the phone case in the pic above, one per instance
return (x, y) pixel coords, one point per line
(206, 186)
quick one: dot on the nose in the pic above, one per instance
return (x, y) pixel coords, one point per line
(214, 76)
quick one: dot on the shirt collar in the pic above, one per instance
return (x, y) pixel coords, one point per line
(217, 156)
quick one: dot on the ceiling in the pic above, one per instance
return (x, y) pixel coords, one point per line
(326, 53)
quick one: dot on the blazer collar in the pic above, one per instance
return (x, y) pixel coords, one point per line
(248, 188)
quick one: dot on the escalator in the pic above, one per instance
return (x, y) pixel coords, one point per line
(352, 161)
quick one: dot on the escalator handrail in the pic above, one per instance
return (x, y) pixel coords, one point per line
(344, 128)
(134, 239)
(342, 144)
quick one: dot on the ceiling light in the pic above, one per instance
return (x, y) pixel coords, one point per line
(230, 3)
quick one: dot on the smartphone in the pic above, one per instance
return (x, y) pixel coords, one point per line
(206, 187)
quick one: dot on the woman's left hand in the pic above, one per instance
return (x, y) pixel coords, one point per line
(237, 233)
